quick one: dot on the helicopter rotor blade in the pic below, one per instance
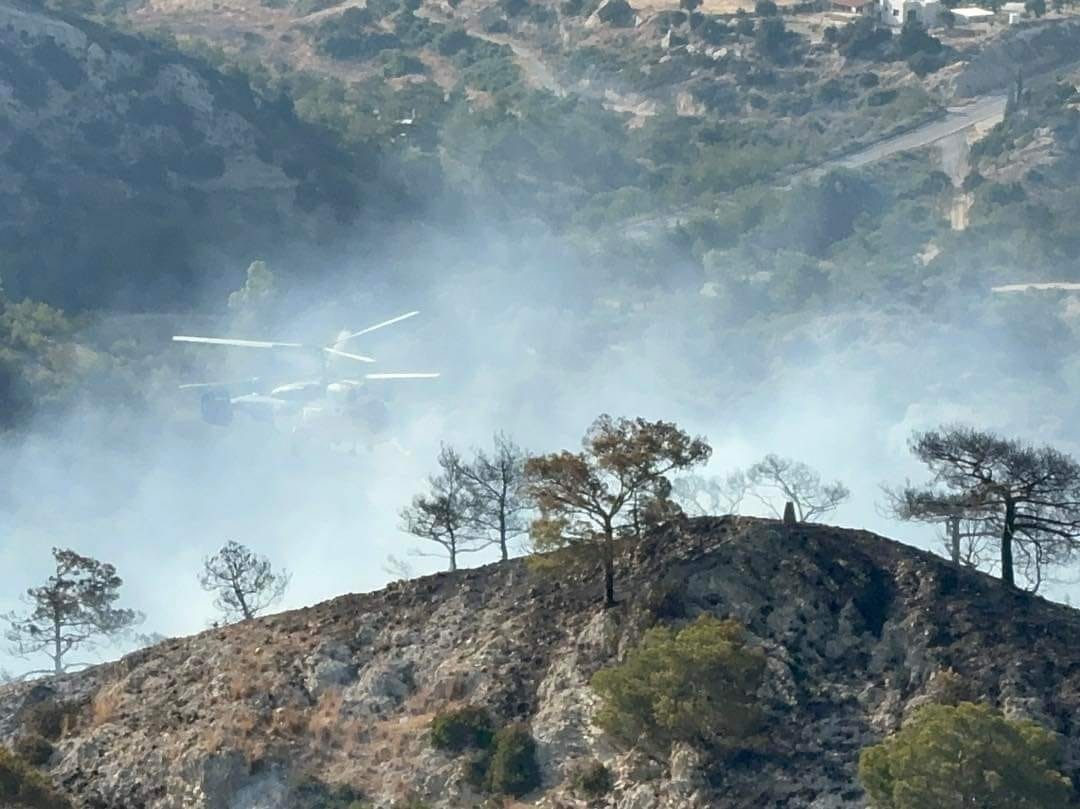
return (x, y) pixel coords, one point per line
(402, 376)
(230, 384)
(389, 322)
(229, 341)
(338, 353)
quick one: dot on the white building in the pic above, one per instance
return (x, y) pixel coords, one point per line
(897, 12)
(972, 15)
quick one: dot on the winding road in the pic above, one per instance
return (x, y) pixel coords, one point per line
(984, 111)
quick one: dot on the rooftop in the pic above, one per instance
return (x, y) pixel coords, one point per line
(973, 13)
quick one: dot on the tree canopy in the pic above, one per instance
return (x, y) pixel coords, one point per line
(496, 483)
(797, 483)
(446, 515)
(955, 757)
(616, 485)
(75, 608)
(1031, 495)
(698, 685)
(244, 581)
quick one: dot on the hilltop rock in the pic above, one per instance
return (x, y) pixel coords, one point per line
(858, 631)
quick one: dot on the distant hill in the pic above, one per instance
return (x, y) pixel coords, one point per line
(130, 173)
(857, 630)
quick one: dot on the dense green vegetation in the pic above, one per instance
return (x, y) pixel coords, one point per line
(593, 780)
(965, 755)
(115, 207)
(462, 728)
(501, 761)
(513, 769)
(572, 160)
(38, 366)
(697, 684)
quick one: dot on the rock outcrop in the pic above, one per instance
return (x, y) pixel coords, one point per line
(858, 631)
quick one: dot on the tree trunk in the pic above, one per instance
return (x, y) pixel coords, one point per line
(502, 533)
(244, 609)
(609, 567)
(1007, 575)
(58, 649)
(451, 546)
(954, 539)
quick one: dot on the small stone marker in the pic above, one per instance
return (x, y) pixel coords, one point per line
(789, 514)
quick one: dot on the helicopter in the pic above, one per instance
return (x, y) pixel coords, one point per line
(327, 404)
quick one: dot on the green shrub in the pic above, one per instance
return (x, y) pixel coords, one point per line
(33, 749)
(513, 769)
(397, 63)
(593, 780)
(461, 729)
(23, 786)
(965, 755)
(697, 685)
(879, 98)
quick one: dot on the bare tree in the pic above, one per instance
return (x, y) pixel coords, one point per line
(795, 482)
(445, 516)
(1030, 494)
(398, 568)
(499, 502)
(245, 582)
(586, 498)
(969, 533)
(701, 496)
(74, 608)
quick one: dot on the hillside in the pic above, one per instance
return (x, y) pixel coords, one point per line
(587, 111)
(130, 173)
(858, 630)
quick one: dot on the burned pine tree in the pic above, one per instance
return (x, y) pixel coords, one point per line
(73, 609)
(1031, 495)
(966, 522)
(445, 516)
(499, 503)
(590, 498)
(245, 582)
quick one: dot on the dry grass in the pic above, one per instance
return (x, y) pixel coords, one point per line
(105, 706)
(242, 685)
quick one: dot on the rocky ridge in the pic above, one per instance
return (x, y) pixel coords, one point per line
(858, 631)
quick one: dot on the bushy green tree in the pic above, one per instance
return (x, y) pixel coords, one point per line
(513, 769)
(968, 755)
(462, 728)
(697, 685)
(593, 780)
